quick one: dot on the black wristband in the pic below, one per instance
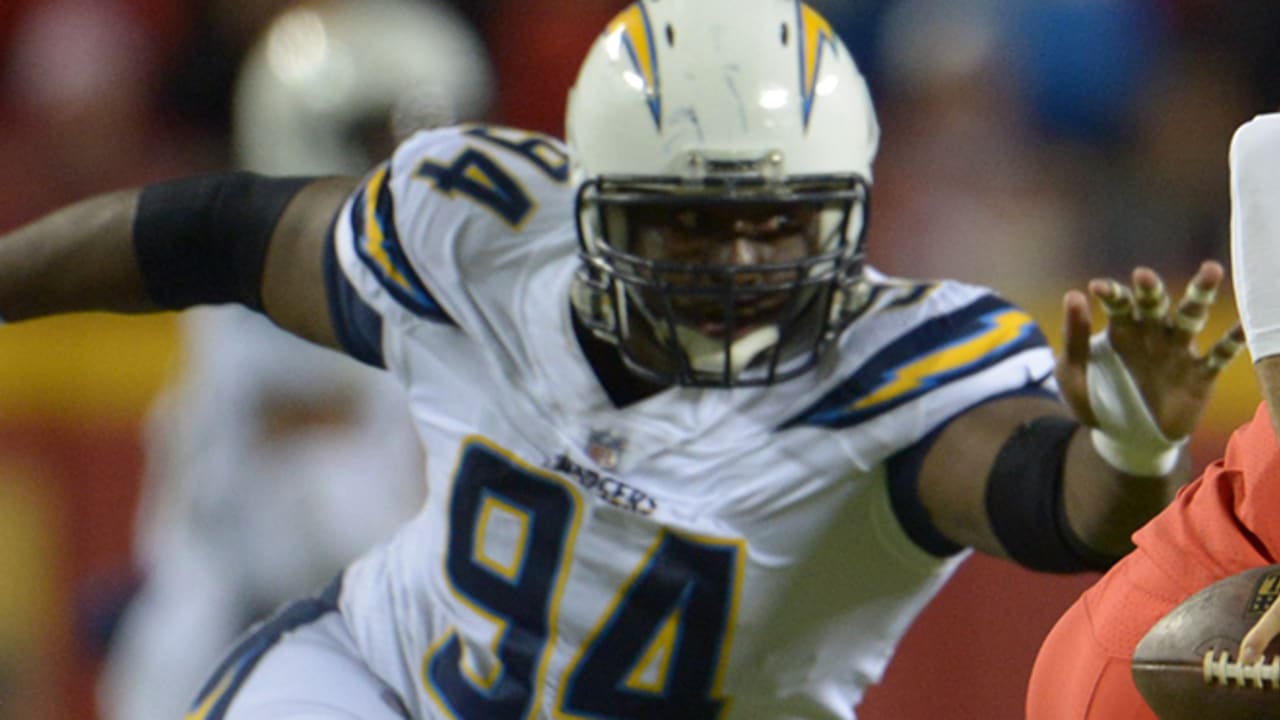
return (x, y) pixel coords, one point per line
(1025, 501)
(203, 240)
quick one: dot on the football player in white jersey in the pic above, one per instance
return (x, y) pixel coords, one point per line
(273, 463)
(690, 456)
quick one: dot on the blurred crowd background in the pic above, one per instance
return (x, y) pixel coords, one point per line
(1027, 144)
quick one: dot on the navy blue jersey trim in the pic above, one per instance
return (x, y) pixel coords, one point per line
(377, 243)
(216, 696)
(903, 472)
(357, 326)
(939, 351)
(910, 298)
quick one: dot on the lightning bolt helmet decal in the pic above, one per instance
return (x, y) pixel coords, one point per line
(632, 32)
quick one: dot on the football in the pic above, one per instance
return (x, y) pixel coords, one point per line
(1185, 665)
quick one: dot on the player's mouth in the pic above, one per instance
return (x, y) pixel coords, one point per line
(717, 331)
(748, 316)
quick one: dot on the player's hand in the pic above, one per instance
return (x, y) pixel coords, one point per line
(1156, 341)
(1255, 642)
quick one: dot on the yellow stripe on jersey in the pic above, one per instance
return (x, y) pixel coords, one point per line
(939, 350)
(373, 240)
(492, 678)
(210, 700)
(468, 662)
(739, 546)
(651, 672)
(372, 222)
(497, 513)
(1005, 329)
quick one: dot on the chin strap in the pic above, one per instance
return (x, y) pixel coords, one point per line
(707, 354)
(1127, 435)
(593, 306)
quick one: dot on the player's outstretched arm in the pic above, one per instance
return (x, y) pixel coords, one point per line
(1022, 478)
(235, 238)
(78, 258)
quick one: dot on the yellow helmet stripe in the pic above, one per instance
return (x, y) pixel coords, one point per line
(631, 31)
(815, 35)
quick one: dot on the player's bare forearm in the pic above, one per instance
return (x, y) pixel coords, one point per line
(992, 450)
(1105, 506)
(293, 291)
(78, 258)
(236, 238)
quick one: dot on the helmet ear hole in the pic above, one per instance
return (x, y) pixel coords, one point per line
(671, 35)
(786, 35)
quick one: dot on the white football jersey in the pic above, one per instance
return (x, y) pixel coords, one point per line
(271, 464)
(698, 553)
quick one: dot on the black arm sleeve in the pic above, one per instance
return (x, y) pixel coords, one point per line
(203, 240)
(1025, 502)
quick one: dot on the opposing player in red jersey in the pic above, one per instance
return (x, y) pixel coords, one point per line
(1224, 522)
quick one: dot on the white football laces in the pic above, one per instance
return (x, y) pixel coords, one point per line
(1221, 669)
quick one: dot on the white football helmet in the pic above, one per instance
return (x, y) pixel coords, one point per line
(332, 86)
(722, 150)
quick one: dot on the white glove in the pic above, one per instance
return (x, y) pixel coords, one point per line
(1127, 436)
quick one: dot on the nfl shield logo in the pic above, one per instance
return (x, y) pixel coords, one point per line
(605, 449)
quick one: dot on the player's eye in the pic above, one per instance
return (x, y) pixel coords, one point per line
(688, 219)
(781, 222)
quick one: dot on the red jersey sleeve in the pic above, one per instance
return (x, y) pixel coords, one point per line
(1225, 520)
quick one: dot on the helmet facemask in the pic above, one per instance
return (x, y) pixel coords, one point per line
(734, 276)
(722, 152)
